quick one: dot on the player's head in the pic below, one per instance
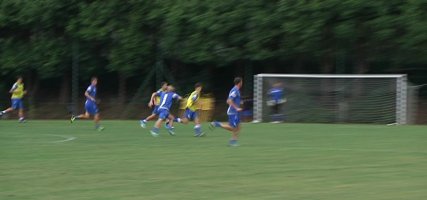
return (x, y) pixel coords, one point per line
(238, 81)
(19, 79)
(171, 88)
(164, 85)
(198, 87)
(277, 85)
(94, 80)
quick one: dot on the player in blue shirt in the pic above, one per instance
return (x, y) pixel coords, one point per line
(154, 101)
(166, 100)
(233, 113)
(276, 101)
(90, 105)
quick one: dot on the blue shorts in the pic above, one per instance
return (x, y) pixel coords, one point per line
(234, 120)
(91, 107)
(190, 115)
(163, 113)
(156, 110)
(17, 104)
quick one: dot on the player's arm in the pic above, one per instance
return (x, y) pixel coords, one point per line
(232, 104)
(14, 87)
(176, 96)
(150, 103)
(88, 96)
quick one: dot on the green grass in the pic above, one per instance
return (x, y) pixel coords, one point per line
(274, 161)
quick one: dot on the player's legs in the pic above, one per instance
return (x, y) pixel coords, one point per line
(96, 119)
(7, 110)
(198, 127)
(163, 115)
(85, 115)
(14, 106)
(21, 114)
(153, 115)
(172, 119)
(235, 133)
(186, 118)
(233, 126)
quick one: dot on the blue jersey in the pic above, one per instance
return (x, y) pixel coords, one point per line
(234, 96)
(276, 94)
(92, 92)
(166, 100)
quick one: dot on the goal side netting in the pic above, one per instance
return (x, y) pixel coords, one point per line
(380, 99)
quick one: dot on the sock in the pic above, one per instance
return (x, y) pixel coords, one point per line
(21, 118)
(144, 120)
(177, 120)
(198, 129)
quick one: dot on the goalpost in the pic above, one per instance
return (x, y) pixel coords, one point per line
(320, 98)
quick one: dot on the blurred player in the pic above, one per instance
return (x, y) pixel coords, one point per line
(190, 111)
(276, 102)
(166, 100)
(90, 105)
(233, 113)
(18, 93)
(154, 101)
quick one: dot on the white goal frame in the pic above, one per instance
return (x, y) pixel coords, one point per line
(401, 91)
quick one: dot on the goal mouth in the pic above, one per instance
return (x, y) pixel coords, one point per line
(332, 98)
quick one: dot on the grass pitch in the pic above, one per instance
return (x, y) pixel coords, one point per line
(45, 160)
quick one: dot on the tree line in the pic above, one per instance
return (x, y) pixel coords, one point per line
(41, 38)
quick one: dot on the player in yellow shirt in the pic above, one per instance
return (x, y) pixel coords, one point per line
(18, 93)
(191, 111)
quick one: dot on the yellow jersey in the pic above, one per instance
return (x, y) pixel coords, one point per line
(17, 91)
(192, 100)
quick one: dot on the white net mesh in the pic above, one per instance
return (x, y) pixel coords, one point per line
(333, 99)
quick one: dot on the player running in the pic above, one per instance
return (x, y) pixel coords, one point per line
(166, 100)
(190, 111)
(154, 101)
(18, 93)
(233, 113)
(90, 105)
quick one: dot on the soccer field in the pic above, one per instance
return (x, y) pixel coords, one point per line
(46, 160)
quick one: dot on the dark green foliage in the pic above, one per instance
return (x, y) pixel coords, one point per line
(128, 37)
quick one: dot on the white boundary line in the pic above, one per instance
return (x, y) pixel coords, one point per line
(66, 138)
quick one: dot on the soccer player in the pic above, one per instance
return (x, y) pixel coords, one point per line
(276, 102)
(190, 111)
(154, 100)
(166, 100)
(233, 113)
(18, 93)
(90, 105)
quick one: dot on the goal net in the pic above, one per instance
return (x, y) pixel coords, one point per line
(381, 99)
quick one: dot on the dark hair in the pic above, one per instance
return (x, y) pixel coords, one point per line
(163, 83)
(237, 80)
(19, 77)
(94, 78)
(198, 84)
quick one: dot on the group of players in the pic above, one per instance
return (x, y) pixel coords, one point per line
(161, 102)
